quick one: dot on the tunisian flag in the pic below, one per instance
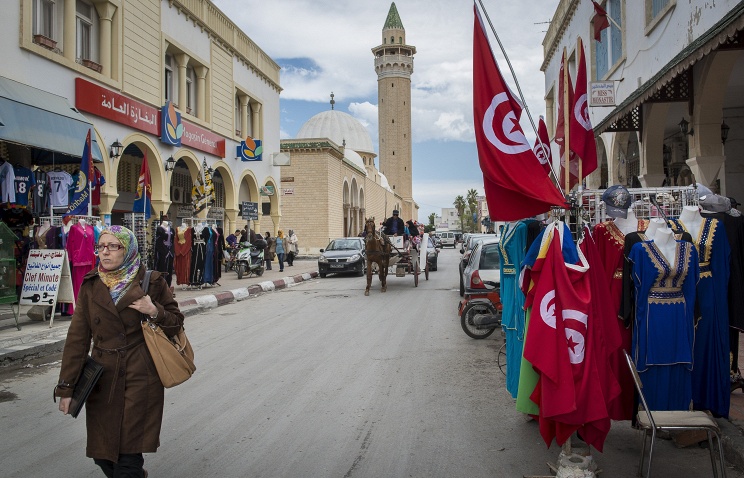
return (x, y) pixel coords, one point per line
(560, 130)
(582, 134)
(600, 21)
(561, 346)
(516, 185)
(542, 151)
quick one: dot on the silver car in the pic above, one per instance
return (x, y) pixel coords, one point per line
(483, 265)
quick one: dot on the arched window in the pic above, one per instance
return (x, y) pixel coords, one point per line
(392, 40)
(400, 40)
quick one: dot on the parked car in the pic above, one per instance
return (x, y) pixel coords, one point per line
(345, 254)
(483, 264)
(466, 250)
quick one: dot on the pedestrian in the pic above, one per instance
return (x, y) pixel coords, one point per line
(294, 248)
(281, 246)
(232, 239)
(124, 412)
(270, 250)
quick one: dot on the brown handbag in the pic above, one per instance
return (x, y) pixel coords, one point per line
(173, 356)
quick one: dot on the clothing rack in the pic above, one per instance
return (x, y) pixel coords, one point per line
(193, 221)
(671, 200)
(137, 223)
(57, 220)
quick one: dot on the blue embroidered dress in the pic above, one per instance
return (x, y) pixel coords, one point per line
(664, 331)
(512, 250)
(710, 376)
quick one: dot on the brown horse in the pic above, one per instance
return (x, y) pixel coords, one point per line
(378, 252)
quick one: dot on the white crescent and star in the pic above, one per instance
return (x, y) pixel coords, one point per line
(574, 337)
(581, 113)
(514, 141)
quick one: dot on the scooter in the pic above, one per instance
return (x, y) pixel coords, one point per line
(250, 260)
(480, 312)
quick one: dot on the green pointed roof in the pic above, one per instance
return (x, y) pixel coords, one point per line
(393, 19)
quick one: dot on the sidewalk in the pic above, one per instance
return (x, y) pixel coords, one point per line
(37, 339)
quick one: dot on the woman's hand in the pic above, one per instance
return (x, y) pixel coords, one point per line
(64, 405)
(145, 306)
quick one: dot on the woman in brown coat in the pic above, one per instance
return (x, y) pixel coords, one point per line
(125, 409)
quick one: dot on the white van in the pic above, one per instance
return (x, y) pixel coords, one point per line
(448, 238)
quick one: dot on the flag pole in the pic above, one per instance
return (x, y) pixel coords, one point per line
(566, 124)
(519, 89)
(581, 160)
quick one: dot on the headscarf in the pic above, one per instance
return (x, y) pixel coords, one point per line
(280, 234)
(120, 280)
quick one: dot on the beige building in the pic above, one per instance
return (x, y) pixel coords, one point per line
(332, 183)
(122, 66)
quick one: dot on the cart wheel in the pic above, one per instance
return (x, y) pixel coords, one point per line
(426, 270)
(415, 274)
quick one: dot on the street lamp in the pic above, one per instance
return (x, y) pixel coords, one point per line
(170, 164)
(683, 125)
(116, 148)
(724, 132)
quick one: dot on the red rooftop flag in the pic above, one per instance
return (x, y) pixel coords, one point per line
(516, 185)
(600, 20)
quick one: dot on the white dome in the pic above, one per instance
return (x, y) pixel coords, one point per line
(384, 182)
(353, 157)
(338, 126)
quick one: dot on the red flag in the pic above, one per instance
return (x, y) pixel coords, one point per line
(582, 134)
(560, 130)
(600, 20)
(542, 151)
(562, 345)
(144, 191)
(516, 185)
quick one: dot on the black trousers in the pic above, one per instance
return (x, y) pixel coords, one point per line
(128, 466)
(290, 257)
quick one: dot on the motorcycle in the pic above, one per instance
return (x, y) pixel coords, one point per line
(250, 260)
(480, 312)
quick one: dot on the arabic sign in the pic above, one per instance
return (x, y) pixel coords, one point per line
(47, 278)
(603, 93)
(184, 211)
(111, 105)
(216, 212)
(249, 210)
(288, 191)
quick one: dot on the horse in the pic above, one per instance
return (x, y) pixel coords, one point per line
(378, 252)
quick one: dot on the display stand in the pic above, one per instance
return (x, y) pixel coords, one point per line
(8, 297)
(137, 223)
(47, 280)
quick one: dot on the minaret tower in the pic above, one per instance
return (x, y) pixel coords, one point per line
(394, 66)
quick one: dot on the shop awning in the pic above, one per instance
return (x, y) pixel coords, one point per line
(724, 30)
(42, 120)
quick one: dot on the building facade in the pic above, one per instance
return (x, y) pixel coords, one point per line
(132, 70)
(676, 69)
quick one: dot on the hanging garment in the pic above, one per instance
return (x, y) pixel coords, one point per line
(198, 251)
(610, 243)
(710, 376)
(219, 246)
(59, 182)
(80, 251)
(164, 252)
(527, 376)
(7, 182)
(664, 331)
(41, 193)
(512, 249)
(182, 261)
(208, 236)
(24, 183)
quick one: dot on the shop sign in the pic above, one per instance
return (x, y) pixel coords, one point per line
(108, 104)
(603, 93)
(249, 150)
(288, 179)
(216, 212)
(171, 128)
(202, 139)
(288, 191)
(266, 190)
(184, 211)
(47, 278)
(249, 211)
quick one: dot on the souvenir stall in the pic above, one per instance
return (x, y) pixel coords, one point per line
(198, 253)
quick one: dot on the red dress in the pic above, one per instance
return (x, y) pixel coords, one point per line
(80, 251)
(184, 238)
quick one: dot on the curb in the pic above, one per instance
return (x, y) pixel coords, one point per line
(51, 341)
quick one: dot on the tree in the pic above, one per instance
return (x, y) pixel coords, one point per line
(472, 200)
(460, 206)
(432, 216)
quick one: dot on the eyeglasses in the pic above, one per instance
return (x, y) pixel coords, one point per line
(110, 247)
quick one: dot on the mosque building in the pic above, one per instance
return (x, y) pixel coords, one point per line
(332, 183)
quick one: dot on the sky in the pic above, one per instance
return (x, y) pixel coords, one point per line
(324, 46)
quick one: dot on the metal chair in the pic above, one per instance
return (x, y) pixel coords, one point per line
(677, 420)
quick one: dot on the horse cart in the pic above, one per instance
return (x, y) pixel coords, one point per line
(390, 255)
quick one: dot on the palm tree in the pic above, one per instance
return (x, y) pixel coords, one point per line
(472, 200)
(432, 216)
(460, 206)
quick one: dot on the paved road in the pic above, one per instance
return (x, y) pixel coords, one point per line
(320, 381)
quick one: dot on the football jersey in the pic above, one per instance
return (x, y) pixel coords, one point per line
(41, 193)
(7, 182)
(59, 182)
(24, 182)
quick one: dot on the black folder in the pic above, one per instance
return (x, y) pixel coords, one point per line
(88, 378)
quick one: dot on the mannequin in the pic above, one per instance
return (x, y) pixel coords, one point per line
(628, 224)
(664, 240)
(43, 228)
(692, 220)
(655, 224)
(165, 225)
(66, 227)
